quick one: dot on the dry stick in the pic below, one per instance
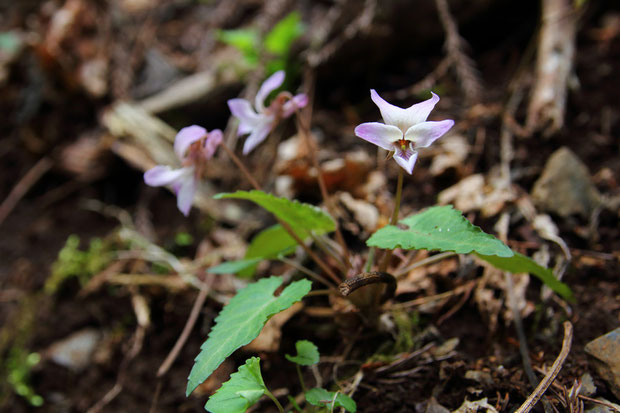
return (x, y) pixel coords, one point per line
(523, 349)
(551, 375)
(191, 321)
(284, 224)
(308, 272)
(464, 65)
(425, 261)
(312, 150)
(24, 184)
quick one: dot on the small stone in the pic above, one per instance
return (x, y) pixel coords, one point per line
(606, 352)
(481, 377)
(75, 352)
(587, 385)
(565, 187)
(600, 408)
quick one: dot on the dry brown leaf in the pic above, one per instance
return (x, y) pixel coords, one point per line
(454, 149)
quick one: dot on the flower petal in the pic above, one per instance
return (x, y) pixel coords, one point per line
(404, 118)
(164, 175)
(406, 160)
(186, 137)
(212, 142)
(419, 112)
(242, 110)
(259, 134)
(291, 105)
(273, 82)
(379, 134)
(392, 115)
(425, 133)
(185, 194)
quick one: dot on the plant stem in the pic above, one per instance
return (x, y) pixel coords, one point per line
(312, 150)
(284, 224)
(307, 271)
(394, 220)
(318, 241)
(241, 166)
(301, 378)
(273, 398)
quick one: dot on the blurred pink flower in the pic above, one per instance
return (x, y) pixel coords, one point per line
(193, 146)
(404, 130)
(259, 120)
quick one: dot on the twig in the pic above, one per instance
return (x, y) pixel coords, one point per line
(464, 65)
(551, 375)
(606, 404)
(554, 66)
(426, 261)
(308, 272)
(426, 83)
(191, 321)
(361, 24)
(136, 347)
(21, 188)
(516, 315)
(431, 298)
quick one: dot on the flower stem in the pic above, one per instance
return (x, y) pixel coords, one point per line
(273, 398)
(301, 378)
(312, 150)
(284, 224)
(241, 166)
(394, 220)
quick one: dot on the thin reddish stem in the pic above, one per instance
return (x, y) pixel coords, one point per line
(284, 224)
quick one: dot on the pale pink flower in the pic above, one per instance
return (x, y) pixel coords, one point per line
(404, 130)
(193, 146)
(259, 120)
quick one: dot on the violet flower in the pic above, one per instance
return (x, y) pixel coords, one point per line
(404, 130)
(259, 120)
(193, 146)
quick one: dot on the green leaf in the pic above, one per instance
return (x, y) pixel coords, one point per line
(244, 40)
(278, 41)
(307, 353)
(299, 215)
(233, 267)
(520, 263)
(322, 397)
(275, 240)
(241, 391)
(240, 322)
(440, 228)
(269, 244)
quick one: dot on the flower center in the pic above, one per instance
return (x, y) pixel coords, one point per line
(276, 107)
(403, 144)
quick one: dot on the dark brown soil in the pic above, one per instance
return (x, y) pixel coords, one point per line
(44, 111)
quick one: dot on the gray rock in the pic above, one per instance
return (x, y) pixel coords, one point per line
(565, 187)
(606, 352)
